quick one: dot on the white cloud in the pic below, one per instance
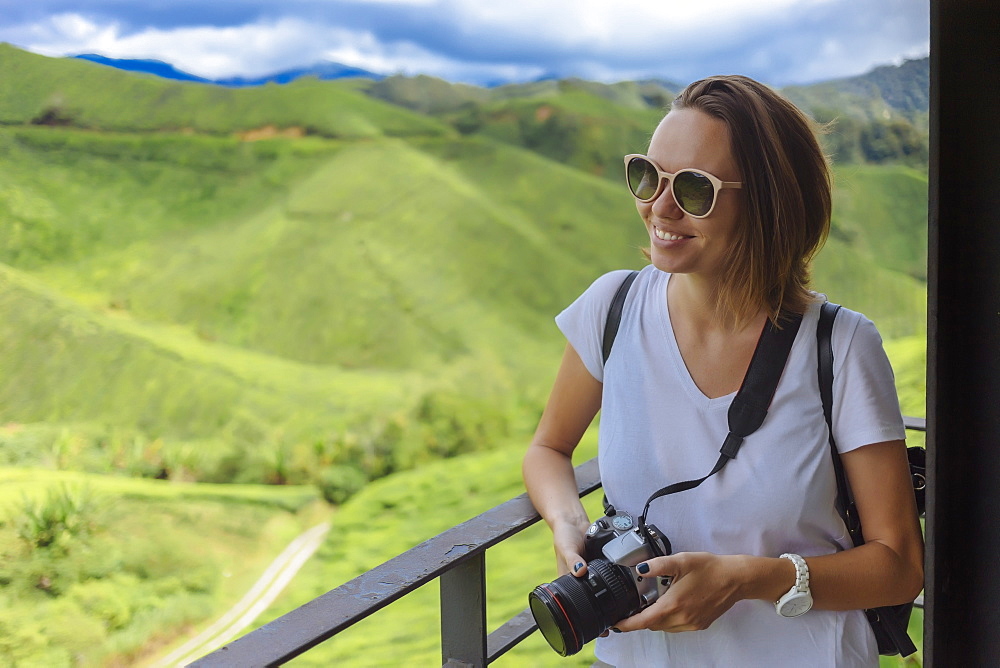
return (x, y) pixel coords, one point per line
(602, 25)
(255, 49)
(472, 40)
(416, 3)
(365, 51)
(258, 48)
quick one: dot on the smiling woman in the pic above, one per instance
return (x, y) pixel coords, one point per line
(757, 568)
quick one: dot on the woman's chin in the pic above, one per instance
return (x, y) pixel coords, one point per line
(666, 261)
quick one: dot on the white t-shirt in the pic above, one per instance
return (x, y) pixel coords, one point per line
(776, 496)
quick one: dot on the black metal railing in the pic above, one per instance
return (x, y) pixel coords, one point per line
(457, 557)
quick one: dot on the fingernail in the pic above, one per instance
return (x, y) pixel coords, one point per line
(616, 629)
(642, 568)
(578, 566)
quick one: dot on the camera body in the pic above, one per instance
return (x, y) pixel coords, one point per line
(571, 611)
(616, 538)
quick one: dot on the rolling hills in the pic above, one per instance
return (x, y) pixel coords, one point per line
(88, 95)
(326, 283)
(325, 295)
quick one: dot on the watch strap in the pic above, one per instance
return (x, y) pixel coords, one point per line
(797, 600)
(801, 572)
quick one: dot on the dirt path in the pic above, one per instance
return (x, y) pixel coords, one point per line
(261, 595)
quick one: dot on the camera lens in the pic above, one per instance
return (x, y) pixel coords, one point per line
(572, 611)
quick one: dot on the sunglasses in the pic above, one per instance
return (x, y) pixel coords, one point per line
(694, 191)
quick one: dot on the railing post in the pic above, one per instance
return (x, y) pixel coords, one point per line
(463, 614)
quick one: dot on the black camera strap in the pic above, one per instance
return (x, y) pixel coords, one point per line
(749, 407)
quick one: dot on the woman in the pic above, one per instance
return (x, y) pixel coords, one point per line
(725, 260)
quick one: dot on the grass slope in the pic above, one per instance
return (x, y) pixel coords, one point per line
(895, 302)
(70, 194)
(880, 211)
(134, 563)
(274, 297)
(441, 255)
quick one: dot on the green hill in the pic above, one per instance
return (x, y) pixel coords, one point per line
(410, 269)
(353, 289)
(876, 258)
(82, 94)
(880, 117)
(241, 320)
(892, 90)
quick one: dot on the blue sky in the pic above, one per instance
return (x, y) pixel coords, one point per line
(780, 42)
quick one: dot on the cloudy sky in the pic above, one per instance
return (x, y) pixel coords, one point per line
(481, 41)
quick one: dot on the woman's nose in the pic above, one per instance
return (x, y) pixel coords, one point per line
(664, 205)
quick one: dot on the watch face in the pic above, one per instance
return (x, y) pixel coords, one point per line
(796, 605)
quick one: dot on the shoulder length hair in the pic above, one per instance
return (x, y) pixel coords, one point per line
(786, 196)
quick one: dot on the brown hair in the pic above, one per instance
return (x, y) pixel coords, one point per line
(786, 196)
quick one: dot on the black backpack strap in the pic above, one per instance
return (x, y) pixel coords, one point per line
(882, 617)
(611, 324)
(824, 352)
(615, 314)
(749, 407)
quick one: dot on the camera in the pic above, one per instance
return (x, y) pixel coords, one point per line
(571, 611)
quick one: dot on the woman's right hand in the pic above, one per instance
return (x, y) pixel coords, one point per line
(567, 539)
(548, 463)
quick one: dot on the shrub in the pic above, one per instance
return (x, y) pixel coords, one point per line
(339, 483)
(106, 600)
(19, 640)
(62, 515)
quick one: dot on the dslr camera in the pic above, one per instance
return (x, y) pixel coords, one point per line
(571, 611)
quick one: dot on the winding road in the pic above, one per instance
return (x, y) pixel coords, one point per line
(261, 595)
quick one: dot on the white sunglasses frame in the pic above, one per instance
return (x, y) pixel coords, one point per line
(665, 176)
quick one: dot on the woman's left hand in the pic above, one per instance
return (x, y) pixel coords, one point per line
(704, 586)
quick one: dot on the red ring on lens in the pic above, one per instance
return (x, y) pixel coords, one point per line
(569, 623)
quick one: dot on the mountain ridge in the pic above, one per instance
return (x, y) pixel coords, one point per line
(324, 71)
(893, 83)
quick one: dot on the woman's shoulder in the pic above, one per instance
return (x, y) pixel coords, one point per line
(847, 320)
(853, 334)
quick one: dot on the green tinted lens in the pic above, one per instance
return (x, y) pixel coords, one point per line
(694, 193)
(642, 178)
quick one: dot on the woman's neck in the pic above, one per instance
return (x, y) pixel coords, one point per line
(696, 300)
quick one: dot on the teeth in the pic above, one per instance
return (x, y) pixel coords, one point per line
(666, 236)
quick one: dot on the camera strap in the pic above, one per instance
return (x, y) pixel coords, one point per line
(749, 407)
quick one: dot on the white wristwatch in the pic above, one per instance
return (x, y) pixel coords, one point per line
(798, 600)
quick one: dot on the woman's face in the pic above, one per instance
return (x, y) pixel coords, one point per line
(679, 243)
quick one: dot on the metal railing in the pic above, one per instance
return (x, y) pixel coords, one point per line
(457, 557)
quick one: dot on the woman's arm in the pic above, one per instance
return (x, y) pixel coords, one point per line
(886, 570)
(548, 467)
